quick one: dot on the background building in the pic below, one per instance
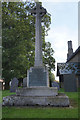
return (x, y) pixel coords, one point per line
(69, 72)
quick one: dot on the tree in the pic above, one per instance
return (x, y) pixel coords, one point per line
(48, 59)
(18, 39)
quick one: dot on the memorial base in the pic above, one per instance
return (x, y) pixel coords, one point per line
(37, 96)
(37, 91)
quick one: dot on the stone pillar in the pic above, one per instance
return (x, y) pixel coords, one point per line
(38, 75)
(38, 41)
(38, 12)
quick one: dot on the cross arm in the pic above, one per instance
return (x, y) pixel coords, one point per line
(33, 11)
(43, 11)
(38, 9)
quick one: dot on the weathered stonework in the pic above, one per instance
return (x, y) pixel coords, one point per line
(38, 75)
(57, 101)
(37, 91)
(38, 12)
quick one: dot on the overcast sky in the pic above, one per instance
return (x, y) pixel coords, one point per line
(64, 27)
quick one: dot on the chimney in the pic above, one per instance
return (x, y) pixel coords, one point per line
(70, 49)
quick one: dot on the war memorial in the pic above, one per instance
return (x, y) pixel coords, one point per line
(37, 91)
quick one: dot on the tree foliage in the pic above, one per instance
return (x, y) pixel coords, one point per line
(48, 59)
(18, 40)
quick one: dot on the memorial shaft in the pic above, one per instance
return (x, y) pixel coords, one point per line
(39, 12)
(38, 41)
(38, 75)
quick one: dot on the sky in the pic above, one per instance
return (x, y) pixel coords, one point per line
(64, 27)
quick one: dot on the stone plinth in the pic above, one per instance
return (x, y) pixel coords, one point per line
(37, 91)
(37, 76)
(57, 101)
(42, 96)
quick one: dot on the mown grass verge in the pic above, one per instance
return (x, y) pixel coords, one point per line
(43, 112)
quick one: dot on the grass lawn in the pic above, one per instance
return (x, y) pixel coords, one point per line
(0, 95)
(43, 112)
(7, 93)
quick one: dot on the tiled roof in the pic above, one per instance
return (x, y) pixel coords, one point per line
(68, 68)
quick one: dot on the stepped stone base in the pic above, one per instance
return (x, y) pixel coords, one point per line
(61, 100)
(37, 91)
(42, 96)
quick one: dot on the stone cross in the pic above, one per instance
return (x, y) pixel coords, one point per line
(39, 12)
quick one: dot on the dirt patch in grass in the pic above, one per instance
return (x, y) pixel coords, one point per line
(73, 103)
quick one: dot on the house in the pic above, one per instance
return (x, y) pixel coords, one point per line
(73, 57)
(69, 72)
